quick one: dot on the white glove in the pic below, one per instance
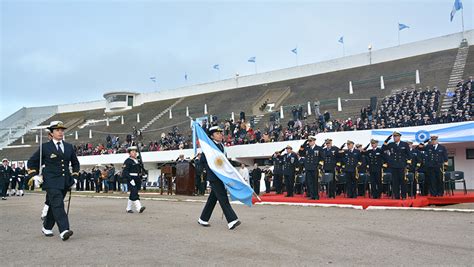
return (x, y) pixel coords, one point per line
(19, 180)
(132, 182)
(10, 179)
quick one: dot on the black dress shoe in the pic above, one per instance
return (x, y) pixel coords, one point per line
(66, 234)
(142, 209)
(129, 211)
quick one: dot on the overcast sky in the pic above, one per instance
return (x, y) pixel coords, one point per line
(58, 52)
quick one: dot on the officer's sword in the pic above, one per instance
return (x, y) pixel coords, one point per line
(69, 201)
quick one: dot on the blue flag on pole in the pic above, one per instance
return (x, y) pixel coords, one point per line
(341, 40)
(222, 168)
(295, 50)
(402, 26)
(457, 6)
(252, 59)
(185, 76)
(153, 79)
(216, 67)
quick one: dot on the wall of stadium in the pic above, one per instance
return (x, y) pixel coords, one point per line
(458, 136)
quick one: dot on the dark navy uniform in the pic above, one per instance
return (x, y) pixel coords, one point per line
(375, 158)
(277, 172)
(57, 179)
(412, 167)
(198, 174)
(351, 159)
(437, 156)
(312, 158)
(422, 171)
(20, 176)
(132, 173)
(6, 173)
(218, 192)
(290, 161)
(330, 161)
(398, 155)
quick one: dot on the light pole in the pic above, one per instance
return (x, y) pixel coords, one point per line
(370, 54)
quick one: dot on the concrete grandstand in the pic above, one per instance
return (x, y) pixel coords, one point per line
(437, 62)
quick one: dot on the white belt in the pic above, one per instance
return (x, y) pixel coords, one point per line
(133, 174)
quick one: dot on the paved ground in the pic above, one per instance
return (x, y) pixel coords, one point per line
(167, 234)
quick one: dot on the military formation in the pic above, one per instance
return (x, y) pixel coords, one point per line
(397, 168)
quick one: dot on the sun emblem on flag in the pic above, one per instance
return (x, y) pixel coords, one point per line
(219, 162)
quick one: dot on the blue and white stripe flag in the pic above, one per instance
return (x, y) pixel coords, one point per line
(295, 50)
(252, 59)
(216, 67)
(222, 168)
(402, 26)
(185, 76)
(457, 6)
(153, 79)
(341, 40)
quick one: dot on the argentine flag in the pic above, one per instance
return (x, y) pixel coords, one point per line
(218, 163)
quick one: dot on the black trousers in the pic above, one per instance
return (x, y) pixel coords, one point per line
(351, 185)
(256, 186)
(267, 186)
(332, 184)
(277, 182)
(435, 176)
(4, 188)
(399, 187)
(290, 184)
(56, 213)
(134, 190)
(312, 183)
(376, 183)
(218, 192)
(197, 183)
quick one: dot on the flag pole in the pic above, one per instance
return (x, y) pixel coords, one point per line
(255, 66)
(343, 54)
(462, 20)
(399, 34)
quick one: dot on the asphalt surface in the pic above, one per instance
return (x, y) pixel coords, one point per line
(167, 234)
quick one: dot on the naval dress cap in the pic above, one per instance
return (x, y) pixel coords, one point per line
(328, 140)
(4, 159)
(350, 142)
(410, 142)
(132, 148)
(395, 133)
(56, 125)
(434, 137)
(214, 129)
(373, 141)
(288, 147)
(312, 137)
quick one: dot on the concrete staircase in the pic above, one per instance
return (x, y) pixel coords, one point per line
(456, 74)
(148, 124)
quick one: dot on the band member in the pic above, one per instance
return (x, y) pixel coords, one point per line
(375, 158)
(398, 158)
(330, 160)
(268, 179)
(312, 157)
(351, 159)
(412, 167)
(423, 170)
(132, 173)
(437, 160)
(56, 156)
(13, 183)
(290, 161)
(20, 174)
(277, 160)
(218, 191)
(6, 174)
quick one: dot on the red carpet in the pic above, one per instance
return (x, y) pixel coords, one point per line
(419, 201)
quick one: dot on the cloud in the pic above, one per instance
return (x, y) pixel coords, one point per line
(43, 63)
